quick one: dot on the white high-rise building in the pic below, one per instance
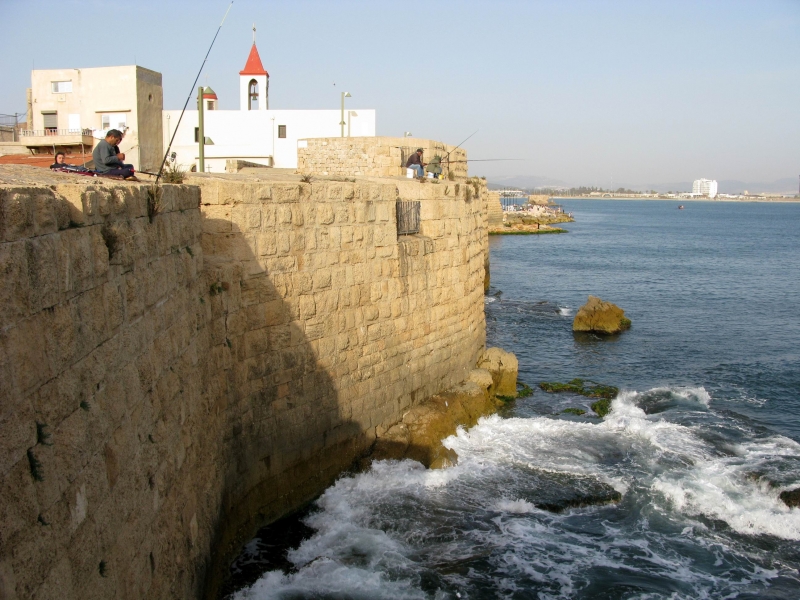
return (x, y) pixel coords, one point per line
(705, 187)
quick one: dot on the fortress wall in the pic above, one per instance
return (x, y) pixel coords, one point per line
(495, 209)
(167, 387)
(372, 156)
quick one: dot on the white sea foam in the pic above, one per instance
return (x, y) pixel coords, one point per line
(515, 506)
(488, 299)
(376, 532)
(564, 311)
(722, 488)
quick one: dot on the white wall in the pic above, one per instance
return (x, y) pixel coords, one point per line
(253, 135)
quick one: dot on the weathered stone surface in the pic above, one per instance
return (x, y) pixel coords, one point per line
(599, 316)
(419, 435)
(220, 367)
(504, 368)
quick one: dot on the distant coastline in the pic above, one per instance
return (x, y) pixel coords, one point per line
(681, 199)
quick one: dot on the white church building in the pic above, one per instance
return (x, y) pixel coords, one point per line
(254, 133)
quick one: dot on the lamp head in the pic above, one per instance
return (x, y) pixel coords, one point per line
(347, 95)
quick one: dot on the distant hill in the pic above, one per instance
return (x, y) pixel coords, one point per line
(527, 182)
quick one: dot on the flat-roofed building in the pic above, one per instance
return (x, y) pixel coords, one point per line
(71, 109)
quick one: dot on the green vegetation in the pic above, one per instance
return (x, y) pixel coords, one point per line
(35, 466)
(103, 568)
(574, 411)
(42, 437)
(524, 390)
(173, 174)
(306, 179)
(578, 386)
(154, 201)
(85, 405)
(602, 407)
(216, 288)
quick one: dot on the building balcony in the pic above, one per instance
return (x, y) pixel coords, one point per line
(37, 138)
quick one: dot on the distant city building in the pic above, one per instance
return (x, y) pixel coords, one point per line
(705, 187)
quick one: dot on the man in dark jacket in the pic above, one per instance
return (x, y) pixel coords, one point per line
(106, 159)
(415, 162)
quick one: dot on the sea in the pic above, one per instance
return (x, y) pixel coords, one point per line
(701, 439)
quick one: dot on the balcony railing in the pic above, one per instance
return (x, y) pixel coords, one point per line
(408, 217)
(53, 132)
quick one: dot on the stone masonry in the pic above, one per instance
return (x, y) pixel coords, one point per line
(166, 387)
(373, 156)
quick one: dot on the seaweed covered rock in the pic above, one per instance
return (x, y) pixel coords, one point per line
(599, 316)
(503, 367)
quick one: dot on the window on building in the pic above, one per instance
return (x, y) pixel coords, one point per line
(196, 134)
(50, 121)
(61, 87)
(281, 131)
(209, 105)
(114, 121)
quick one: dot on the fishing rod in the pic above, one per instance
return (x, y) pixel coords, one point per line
(457, 147)
(189, 97)
(484, 159)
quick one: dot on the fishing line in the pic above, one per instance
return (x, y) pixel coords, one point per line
(189, 97)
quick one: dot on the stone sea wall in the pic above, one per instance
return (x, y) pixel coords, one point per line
(166, 387)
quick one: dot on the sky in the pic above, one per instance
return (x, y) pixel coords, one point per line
(584, 92)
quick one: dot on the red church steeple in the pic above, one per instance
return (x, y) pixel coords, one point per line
(253, 65)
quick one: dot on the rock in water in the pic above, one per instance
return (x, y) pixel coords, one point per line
(791, 498)
(599, 316)
(503, 367)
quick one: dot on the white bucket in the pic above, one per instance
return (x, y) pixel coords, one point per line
(410, 173)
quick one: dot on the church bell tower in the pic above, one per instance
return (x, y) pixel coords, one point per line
(254, 82)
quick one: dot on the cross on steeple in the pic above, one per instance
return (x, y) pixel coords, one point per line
(254, 33)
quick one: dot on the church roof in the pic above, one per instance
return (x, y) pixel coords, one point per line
(253, 65)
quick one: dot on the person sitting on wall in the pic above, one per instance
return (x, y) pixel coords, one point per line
(107, 161)
(435, 167)
(59, 164)
(62, 165)
(415, 162)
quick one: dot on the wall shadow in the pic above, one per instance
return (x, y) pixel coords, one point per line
(282, 434)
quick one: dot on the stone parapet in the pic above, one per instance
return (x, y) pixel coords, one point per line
(373, 156)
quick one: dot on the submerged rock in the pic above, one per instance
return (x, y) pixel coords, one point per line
(559, 491)
(599, 316)
(791, 498)
(590, 389)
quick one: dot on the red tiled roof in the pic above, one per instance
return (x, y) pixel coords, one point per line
(253, 65)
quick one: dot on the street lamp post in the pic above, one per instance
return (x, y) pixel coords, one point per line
(344, 95)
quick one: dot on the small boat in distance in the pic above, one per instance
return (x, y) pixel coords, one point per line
(680, 207)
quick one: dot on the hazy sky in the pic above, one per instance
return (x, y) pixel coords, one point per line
(646, 91)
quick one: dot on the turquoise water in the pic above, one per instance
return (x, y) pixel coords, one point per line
(699, 443)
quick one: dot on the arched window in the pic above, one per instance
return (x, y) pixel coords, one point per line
(252, 95)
